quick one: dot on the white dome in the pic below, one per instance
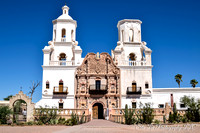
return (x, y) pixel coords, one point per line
(65, 16)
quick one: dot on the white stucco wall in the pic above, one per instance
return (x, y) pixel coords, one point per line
(161, 96)
(140, 74)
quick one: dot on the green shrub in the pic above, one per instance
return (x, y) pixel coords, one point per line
(20, 124)
(164, 119)
(193, 111)
(174, 117)
(184, 119)
(147, 114)
(30, 123)
(171, 118)
(74, 118)
(129, 116)
(53, 122)
(61, 121)
(156, 121)
(5, 112)
(68, 122)
(82, 118)
(39, 123)
(46, 116)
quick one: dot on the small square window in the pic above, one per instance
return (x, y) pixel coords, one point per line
(133, 105)
(161, 105)
(60, 105)
(182, 105)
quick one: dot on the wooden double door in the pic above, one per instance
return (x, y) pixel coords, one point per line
(97, 111)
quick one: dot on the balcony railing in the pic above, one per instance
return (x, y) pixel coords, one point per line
(101, 90)
(136, 90)
(60, 90)
(62, 63)
(63, 39)
(132, 63)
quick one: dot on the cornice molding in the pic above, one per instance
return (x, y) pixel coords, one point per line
(59, 67)
(63, 43)
(128, 20)
(46, 51)
(65, 21)
(132, 43)
(136, 67)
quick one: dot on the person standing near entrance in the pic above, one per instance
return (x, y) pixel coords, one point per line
(24, 113)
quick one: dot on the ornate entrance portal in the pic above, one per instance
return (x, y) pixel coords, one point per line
(97, 111)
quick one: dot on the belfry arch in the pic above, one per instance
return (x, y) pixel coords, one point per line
(29, 105)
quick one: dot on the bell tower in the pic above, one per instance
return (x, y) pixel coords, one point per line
(133, 58)
(64, 27)
(61, 58)
(129, 31)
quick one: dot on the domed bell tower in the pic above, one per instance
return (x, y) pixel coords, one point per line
(64, 27)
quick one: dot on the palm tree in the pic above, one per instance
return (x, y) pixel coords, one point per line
(193, 82)
(178, 79)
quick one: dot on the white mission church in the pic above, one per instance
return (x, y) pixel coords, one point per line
(100, 81)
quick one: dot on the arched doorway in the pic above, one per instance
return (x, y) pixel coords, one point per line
(26, 103)
(19, 111)
(97, 111)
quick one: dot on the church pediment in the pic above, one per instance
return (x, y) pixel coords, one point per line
(98, 64)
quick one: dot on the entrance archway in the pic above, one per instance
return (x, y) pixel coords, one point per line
(25, 100)
(19, 111)
(97, 111)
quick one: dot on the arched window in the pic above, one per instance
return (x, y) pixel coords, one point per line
(62, 59)
(61, 86)
(131, 35)
(134, 86)
(63, 39)
(47, 85)
(146, 85)
(98, 84)
(72, 35)
(122, 36)
(54, 35)
(132, 57)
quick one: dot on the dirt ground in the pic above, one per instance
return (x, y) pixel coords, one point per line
(31, 129)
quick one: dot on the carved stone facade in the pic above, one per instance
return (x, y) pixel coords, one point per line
(98, 81)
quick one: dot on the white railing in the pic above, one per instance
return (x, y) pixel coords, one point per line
(63, 39)
(132, 63)
(102, 87)
(60, 90)
(61, 63)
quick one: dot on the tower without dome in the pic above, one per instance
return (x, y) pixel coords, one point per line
(61, 59)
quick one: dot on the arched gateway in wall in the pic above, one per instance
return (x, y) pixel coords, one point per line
(29, 110)
(97, 85)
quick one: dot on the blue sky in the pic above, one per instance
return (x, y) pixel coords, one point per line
(170, 28)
